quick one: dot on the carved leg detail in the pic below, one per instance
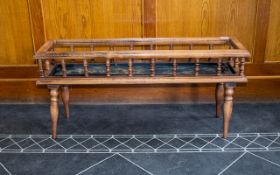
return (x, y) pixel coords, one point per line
(65, 100)
(54, 109)
(219, 98)
(229, 91)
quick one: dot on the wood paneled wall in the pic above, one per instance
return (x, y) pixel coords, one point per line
(92, 19)
(27, 24)
(16, 45)
(195, 18)
(273, 38)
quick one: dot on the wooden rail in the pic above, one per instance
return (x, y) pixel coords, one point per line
(217, 50)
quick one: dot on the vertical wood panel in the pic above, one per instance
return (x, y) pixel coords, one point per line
(149, 18)
(16, 45)
(37, 23)
(207, 18)
(273, 39)
(262, 22)
(92, 19)
(67, 18)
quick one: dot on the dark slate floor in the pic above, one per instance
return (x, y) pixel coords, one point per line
(31, 120)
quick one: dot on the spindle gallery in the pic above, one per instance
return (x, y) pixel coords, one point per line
(218, 60)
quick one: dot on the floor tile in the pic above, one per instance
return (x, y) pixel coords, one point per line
(251, 165)
(273, 156)
(4, 170)
(46, 164)
(115, 165)
(183, 163)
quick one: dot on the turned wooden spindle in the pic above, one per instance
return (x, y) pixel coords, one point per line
(130, 62)
(64, 71)
(219, 67)
(152, 63)
(231, 62)
(41, 67)
(91, 48)
(236, 64)
(152, 47)
(130, 67)
(108, 64)
(174, 62)
(242, 66)
(152, 67)
(171, 47)
(85, 67)
(72, 48)
(197, 67)
(190, 48)
(174, 67)
(47, 67)
(131, 47)
(111, 48)
(210, 48)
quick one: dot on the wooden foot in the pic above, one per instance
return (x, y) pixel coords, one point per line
(54, 109)
(219, 98)
(229, 91)
(65, 100)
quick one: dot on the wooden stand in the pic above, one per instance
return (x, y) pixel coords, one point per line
(219, 51)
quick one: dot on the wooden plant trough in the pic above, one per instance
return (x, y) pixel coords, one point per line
(218, 60)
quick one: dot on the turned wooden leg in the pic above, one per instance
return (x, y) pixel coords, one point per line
(229, 91)
(65, 100)
(219, 98)
(54, 109)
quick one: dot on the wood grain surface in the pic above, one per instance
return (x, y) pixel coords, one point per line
(273, 39)
(16, 45)
(92, 19)
(195, 18)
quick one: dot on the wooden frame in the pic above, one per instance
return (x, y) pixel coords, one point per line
(196, 51)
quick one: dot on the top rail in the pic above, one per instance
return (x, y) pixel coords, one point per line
(142, 41)
(237, 49)
(132, 41)
(146, 54)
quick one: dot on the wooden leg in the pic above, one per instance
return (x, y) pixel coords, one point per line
(219, 98)
(229, 91)
(54, 109)
(65, 100)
